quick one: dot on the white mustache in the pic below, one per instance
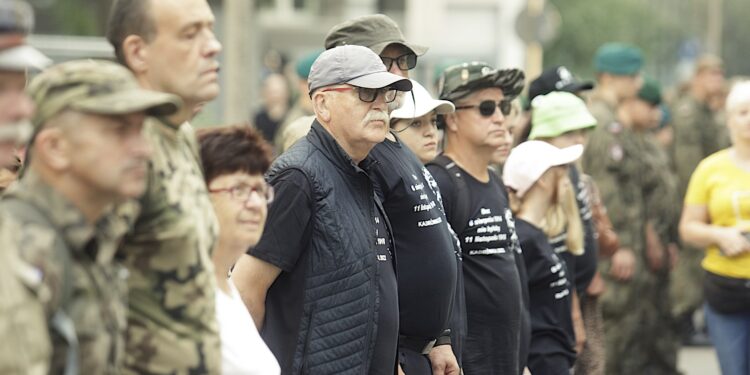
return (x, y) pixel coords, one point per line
(376, 116)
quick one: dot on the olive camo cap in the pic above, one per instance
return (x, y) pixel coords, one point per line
(557, 113)
(618, 59)
(95, 86)
(460, 80)
(375, 31)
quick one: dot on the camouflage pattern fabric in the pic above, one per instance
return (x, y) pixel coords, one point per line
(172, 326)
(97, 304)
(616, 159)
(25, 348)
(602, 110)
(697, 134)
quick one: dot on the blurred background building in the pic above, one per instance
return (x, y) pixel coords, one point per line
(261, 37)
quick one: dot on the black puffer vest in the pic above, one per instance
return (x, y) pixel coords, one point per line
(340, 310)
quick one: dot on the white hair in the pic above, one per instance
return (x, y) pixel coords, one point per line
(739, 94)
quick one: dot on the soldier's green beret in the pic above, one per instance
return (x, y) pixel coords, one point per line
(305, 64)
(458, 81)
(650, 92)
(95, 86)
(618, 58)
(375, 31)
(557, 113)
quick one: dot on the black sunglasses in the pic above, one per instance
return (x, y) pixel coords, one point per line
(405, 62)
(487, 107)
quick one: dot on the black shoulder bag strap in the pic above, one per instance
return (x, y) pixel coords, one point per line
(460, 197)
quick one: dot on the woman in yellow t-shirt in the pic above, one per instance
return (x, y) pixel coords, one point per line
(717, 216)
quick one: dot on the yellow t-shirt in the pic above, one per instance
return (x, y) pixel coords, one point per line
(719, 184)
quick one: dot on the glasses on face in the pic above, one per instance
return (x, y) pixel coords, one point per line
(404, 62)
(368, 95)
(487, 107)
(243, 192)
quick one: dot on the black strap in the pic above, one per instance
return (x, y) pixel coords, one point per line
(59, 323)
(460, 210)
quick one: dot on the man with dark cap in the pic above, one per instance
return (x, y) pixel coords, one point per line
(557, 78)
(698, 133)
(88, 153)
(25, 347)
(477, 209)
(321, 284)
(412, 202)
(618, 67)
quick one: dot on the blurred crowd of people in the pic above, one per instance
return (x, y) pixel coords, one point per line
(498, 224)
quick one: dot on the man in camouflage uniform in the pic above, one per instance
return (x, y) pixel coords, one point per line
(170, 47)
(25, 345)
(697, 134)
(616, 158)
(662, 210)
(88, 153)
(618, 68)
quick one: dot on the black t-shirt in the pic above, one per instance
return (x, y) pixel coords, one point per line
(424, 245)
(549, 296)
(284, 243)
(384, 357)
(491, 278)
(581, 268)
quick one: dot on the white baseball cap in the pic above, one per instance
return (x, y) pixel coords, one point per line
(421, 104)
(528, 161)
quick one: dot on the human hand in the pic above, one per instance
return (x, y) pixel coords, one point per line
(622, 266)
(655, 252)
(443, 361)
(731, 241)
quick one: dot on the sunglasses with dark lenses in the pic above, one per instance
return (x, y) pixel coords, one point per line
(404, 62)
(368, 95)
(487, 107)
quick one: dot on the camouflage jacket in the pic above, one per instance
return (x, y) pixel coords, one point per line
(602, 110)
(613, 159)
(25, 347)
(94, 282)
(172, 324)
(660, 190)
(697, 134)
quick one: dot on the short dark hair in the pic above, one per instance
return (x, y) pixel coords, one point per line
(232, 149)
(129, 17)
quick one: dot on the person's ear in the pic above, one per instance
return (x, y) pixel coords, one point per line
(52, 149)
(451, 122)
(322, 106)
(135, 52)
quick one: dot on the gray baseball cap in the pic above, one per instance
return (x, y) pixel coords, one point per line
(354, 65)
(16, 21)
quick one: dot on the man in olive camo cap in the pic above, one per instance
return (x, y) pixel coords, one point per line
(479, 213)
(87, 153)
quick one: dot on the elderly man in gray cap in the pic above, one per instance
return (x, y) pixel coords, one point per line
(321, 283)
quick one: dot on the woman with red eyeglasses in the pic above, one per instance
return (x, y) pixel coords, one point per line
(234, 161)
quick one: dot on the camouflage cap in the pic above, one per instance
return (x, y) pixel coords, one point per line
(458, 81)
(16, 21)
(375, 31)
(95, 86)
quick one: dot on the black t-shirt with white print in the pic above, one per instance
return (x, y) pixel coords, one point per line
(384, 357)
(549, 299)
(424, 245)
(491, 277)
(581, 268)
